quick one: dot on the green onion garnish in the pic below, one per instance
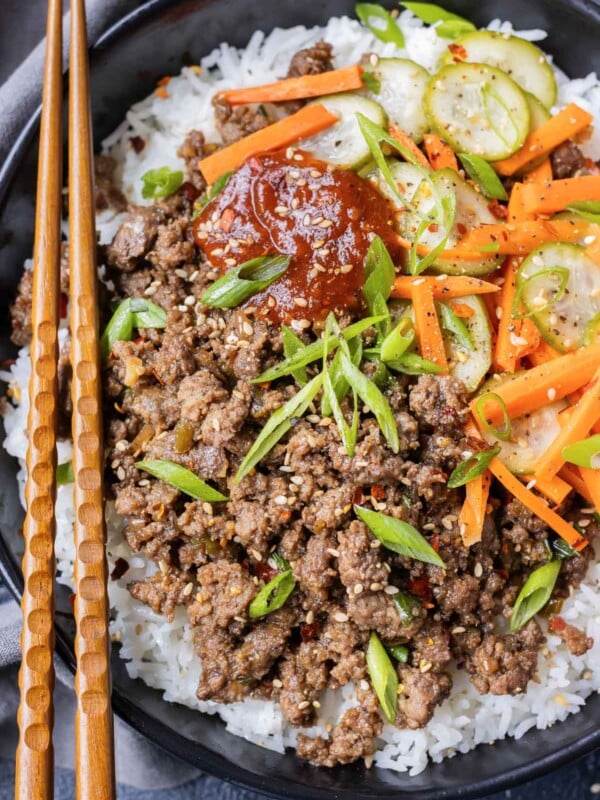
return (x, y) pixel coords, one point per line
(182, 479)
(563, 275)
(241, 282)
(383, 677)
(588, 209)
(380, 22)
(129, 314)
(484, 176)
(64, 473)
(585, 453)
(471, 468)
(400, 652)
(407, 604)
(372, 397)
(292, 345)
(274, 594)
(399, 536)
(503, 433)
(454, 325)
(535, 593)
(161, 182)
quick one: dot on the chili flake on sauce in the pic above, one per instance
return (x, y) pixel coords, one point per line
(323, 218)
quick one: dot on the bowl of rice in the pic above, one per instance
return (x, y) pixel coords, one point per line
(164, 81)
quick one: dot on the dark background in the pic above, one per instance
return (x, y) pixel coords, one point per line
(22, 24)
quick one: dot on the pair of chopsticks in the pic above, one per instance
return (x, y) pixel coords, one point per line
(93, 720)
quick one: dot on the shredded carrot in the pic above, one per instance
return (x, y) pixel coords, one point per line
(517, 211)
(462, 310)
(556, 490)
(440, 155)
(442, 286)
(545, 383)
(543, 353)
(520, 238)
(427, 324)
(591, 480)
(553, 196)
(571, 474)
(540, 174)
(404, 139)
(577, 426)
(337, 80)
(506, 353)
(472, 513)
(306, 122)
(530, 338)
(537, 506)
(564, 125)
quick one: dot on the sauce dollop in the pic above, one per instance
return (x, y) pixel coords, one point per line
(287, 202)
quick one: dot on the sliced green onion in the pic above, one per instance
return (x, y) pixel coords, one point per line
(383, 677)
(592, 331)
(292, 345)
(563, 549)
(372, 397)
(563, 275)
(585, 453)
(491, 247)
(278, 424)
(430, 13)
(452, 323)
(398, 341)
(399, 536)
(161, 182)
(380, 22)
(129, 314)
(535, 594)
(379, 273)
(500, 433)
(347, 432)
(64, 473)
(274, 594)
(181, 478)
(454, 28)
(412, 364)
(588, 209)
(214, 190)
(241, 282)
(445, 217)
(472, 467)
(373, 135)
(313, 352)
(338, 381)
(484, 176)
(407, 604)
(400, 652)
(371, 81)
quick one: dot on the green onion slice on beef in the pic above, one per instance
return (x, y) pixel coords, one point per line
(214, 190)
(293, 344)
(161, 182)
(278, 424)
(330, 397)
(239, 283)
(380, 22)
(64, 473)
(379, 280)
(129, 314)
(274, 594)
(413, 364)
(535, 593)
(399, 652)
(585, 453)
(471, 468)
(399, 536)
(182, 479)
(408, 607)
(484, 176)
(383, 677)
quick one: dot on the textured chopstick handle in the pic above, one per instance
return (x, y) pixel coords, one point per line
(34, 759)
(94, 755)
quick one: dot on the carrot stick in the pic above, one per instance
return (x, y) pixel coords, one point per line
(568, 122)
(556, 490)
(543, 353)
(520, 238)
(506, 357)
(591, 480)
(571, 474)
(442, 286)
(427, 324)
(539, 174)
(554, 196)
(306, 122)
(516, 207)
(581, 419)
(472, 513)
(404, 139)
(529, 336)
(440, 155)
(337, 80)
(537, 506)
(545, 383)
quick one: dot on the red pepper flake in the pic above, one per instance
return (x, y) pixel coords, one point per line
(461, 227)
(120, 568)
(458, 52)
(557, 624)
(498, 210)
(433, 227)
(308, 632)
(378, 492)
(435, 542)
(420, 587)
(285, 515)
(227, 218)
(263, 571)
(137, 143)
(358, 497)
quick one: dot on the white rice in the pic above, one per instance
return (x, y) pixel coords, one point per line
(161, 653)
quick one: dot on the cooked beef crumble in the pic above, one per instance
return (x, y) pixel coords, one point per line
(194, 405)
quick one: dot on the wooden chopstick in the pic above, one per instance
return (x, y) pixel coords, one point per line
(34, 760)
(94, 756)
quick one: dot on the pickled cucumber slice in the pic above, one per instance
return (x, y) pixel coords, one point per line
(402, 84)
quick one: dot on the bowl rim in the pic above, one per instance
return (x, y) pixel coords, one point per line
(176, 744)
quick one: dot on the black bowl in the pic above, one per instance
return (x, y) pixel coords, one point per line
(153, 41)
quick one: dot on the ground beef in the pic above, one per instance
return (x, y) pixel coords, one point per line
(576, 640)
(419, 692)
(235, 122)
(20, 310)
(192, 151)
(506, 664)
(134, 239)
(162, 593)
(567, 160)
(311, 61)
(108, 194)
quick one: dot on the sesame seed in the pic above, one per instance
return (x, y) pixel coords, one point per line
(358, 588)
(247, 328)
(163, 566)
(458, 629)
(304, 704)
(277, 683)
(121, 474)
(281, 500)
(425, 666)
(376, 586)
(345, 268)
(478, 571)
(333, 552)
(391, 590)
(230, 262)
(122, 445)
(297, 479)
(316, 704)
(551, 393)
(310, 617)
(339, 616)
(187, 589)
(531, 484)
(300, 301)
(314, 173)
